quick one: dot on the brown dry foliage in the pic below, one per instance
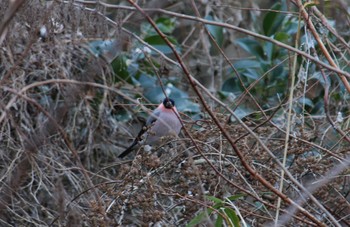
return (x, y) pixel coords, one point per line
(58, 149)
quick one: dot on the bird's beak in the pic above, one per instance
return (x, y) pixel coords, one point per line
(168, 104)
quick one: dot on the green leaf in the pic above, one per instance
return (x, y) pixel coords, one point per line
(269, 49)
(219, 221)
(318, 108)
(235, 197)
(197, 219)
(231, 214)
(251, 73)
(251, 46)
(278, 73)
(147, 81)
(224, 95)
(154, 94)
(231, 85)
(120, 68)
(291, 26)
(243, 64)
(214, 199)
(273, 19)
(187, 106)
(306, 102)
(159, 43)
(281, 36)
(166, 25)
(216, 31)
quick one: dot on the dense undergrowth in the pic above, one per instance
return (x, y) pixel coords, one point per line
(73, 96)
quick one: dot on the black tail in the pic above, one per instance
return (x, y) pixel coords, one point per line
(128, 150)
(136, 141)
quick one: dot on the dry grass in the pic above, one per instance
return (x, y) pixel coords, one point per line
(60, 140)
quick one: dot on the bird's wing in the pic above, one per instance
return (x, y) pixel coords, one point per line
(153, 117)
(150, 121)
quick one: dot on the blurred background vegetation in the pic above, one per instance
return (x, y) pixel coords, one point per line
(78, 78)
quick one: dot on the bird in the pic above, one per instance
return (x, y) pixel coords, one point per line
(162, 122)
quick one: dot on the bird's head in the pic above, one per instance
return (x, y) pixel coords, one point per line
(168, 103)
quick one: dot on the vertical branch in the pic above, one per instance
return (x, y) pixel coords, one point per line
(290, 106)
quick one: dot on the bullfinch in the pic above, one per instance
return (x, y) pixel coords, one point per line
(161, 123)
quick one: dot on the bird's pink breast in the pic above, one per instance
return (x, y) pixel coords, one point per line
(166, 124)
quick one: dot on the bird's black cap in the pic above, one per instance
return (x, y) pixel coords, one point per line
(168, 103)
